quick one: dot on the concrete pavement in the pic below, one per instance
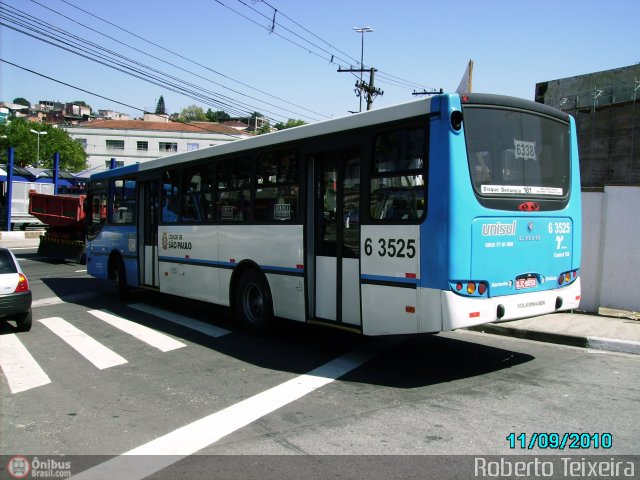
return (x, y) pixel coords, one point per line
(600, 332)
(612, 331)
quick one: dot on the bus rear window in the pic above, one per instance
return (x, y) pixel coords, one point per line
(513, 153)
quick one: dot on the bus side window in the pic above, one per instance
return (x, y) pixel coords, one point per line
(196, 186)
(233, 196)
(277, 187)
(170, 196)
(98, 205)
(123, 204)
(398, 177)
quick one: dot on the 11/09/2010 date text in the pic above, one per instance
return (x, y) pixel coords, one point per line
(560, 441)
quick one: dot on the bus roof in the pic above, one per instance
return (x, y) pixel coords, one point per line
(372, 117)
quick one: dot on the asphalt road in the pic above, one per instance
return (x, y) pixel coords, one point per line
(203, 386)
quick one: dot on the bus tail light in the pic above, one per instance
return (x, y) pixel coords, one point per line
(470, 288)
(565, 278)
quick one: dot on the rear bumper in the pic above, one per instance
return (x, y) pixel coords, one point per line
(461, 312)
(15, 303)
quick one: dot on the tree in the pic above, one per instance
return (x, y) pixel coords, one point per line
(265, 128)
(290, 124)
(25, 143)
(217, 116)
(193, 113)
(160, 108)
(22, 101)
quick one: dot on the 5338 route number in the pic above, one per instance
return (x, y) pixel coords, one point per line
(390, 247)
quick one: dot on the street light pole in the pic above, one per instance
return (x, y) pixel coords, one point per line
(362, 31)
(38, 155)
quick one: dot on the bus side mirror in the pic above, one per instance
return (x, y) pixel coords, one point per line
(456, 120)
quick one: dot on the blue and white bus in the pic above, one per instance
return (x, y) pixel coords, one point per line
(433, 215)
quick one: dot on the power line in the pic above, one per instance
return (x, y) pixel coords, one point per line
(288, 30)
(382, 76)
(41, 29)
(98, 95)
(189, 60)
(310, 32)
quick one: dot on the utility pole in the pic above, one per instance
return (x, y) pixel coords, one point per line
(363, 87)
(362, 31)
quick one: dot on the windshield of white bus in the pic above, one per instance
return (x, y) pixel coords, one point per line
(514, 153)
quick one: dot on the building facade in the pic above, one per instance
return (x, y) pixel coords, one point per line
(606, 106)
(135, 141)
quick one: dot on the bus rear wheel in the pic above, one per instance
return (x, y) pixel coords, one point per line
(253, 303)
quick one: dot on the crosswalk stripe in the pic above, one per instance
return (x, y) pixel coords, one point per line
(152, 337)
(101, 356)
(155, 455)
(75, 297)
(19, 367)
(188, 322)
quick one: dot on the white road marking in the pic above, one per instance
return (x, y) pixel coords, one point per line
(101, 356)
(76, 297)
(147, 335)
(188, 322)
(158, 454)
(20, 368)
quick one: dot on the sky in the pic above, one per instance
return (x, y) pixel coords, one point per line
(230, 54)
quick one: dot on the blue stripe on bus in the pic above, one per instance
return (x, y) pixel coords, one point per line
(230, 265)
(391, 281)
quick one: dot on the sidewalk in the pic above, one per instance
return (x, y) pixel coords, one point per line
(612, 331)
(20, 239)
(600, 332)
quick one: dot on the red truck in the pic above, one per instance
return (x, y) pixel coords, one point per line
(64, 214)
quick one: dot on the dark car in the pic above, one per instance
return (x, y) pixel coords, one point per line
(15, 295)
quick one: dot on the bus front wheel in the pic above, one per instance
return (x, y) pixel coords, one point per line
(120, 278)
(253, 303)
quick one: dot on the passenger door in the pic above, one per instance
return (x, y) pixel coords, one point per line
(149, 200)
(336, 231)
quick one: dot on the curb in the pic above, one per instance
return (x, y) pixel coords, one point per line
(595, 343)
(614, 345)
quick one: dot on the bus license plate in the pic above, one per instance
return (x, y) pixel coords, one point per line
(528, 282)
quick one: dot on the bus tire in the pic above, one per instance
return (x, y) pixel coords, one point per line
(253, 303)
(120, 278)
